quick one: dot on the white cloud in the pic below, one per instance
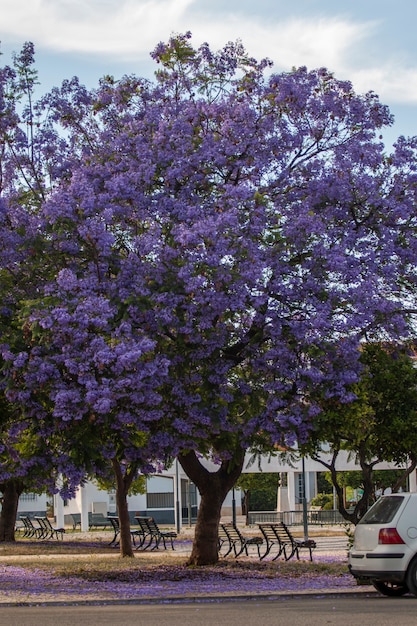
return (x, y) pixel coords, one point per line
(395, 83)
(129, 29)
(312, 42)
(123, 28)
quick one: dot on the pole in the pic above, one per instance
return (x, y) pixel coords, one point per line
(177, 499)
(190, 521)
(304, 500)
(59, 506)
(233, 507)
(85, 505)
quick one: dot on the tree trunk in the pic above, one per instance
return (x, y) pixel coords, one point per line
(402, 480)
(368, 486)
(367, 476)
(245, 502)
(349, 517)
(12, 490)
(213, 488)
(245, 505)
(123, 483)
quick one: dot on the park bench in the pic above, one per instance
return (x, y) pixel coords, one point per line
(97, 520)
(280, 536)
(231, 535)
(135, 533)
(19, 527)
(150, 534)
(114, 521)
(76, 520)
(30, 530)
(223, 540)
(47, 530)
(272, 540)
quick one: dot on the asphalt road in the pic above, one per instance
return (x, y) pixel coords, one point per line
(352, 609)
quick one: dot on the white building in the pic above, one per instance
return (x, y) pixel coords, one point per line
(173, 500)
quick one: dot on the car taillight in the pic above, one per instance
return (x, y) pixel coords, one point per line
(390, 536)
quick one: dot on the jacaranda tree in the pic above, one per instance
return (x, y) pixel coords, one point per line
(32, 156)
(227, 241)
(38, 443)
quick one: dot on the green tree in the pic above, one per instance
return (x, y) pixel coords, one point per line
(259, 491)
(323, 484)
(380, 424)
(381, 480)
(323, 500)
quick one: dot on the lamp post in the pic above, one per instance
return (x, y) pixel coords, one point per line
(177, 499)
(304, 499)
(233, 507)
(190, 521)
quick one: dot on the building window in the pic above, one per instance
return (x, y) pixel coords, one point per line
(299, 491)
(28, 497)
(160, 500)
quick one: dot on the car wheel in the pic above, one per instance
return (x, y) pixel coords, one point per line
(390, 589)
(412, 577)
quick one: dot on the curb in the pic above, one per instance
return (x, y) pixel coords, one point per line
(203, 599)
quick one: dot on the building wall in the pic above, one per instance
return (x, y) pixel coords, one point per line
(32, 504)
(171, 490)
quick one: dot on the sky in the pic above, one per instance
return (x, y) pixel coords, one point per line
(372, 43)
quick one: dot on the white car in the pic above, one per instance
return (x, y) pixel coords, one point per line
(384, 552)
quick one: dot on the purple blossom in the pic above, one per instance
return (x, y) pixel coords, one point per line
(168, 581)
(207, 259)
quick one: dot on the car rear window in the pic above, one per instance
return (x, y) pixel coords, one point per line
(383, 511)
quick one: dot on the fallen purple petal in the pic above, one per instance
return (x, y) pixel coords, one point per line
(166, 582)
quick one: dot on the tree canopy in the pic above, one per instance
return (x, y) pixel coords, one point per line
(380, 424)
(215, 246)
